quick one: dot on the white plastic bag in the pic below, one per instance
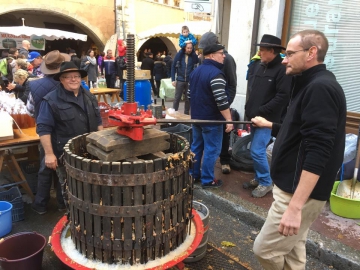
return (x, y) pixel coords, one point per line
(350, 147)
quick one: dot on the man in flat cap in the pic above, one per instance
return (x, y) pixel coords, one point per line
(269, 93)
(208, 101)
(229, 70)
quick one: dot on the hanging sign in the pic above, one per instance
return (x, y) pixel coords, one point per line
(198, 6)
(8, 41)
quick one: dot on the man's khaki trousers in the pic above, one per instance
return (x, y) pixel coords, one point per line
(277, 252)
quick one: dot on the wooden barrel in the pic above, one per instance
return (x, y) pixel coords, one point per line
(128, 212)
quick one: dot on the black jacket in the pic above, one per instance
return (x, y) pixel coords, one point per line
(312, 136)
(269, 90)
(148, 64)
(229, 70)
(70, 119)
(76, 60)
(159, 70)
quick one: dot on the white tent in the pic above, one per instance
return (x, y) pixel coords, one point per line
(197, 28)
(48, 34)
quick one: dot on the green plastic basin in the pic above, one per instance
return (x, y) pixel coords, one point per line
(344, 207)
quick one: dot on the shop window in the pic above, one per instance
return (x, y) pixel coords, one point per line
(166, 2)
(177, 3)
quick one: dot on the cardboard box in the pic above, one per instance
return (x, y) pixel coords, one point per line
(140, 74)
(6, 122)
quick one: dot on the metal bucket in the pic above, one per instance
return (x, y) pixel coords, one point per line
(128, 212)
(200, 252)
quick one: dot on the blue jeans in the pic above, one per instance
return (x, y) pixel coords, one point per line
(260, 137)
(206, 142)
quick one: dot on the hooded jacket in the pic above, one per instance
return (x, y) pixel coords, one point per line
(121, 48)
(181, 68)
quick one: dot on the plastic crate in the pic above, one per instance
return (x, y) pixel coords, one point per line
(30, 170)
(14, 197)
(182, 130)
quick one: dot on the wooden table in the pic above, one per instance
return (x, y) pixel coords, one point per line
(102, 92)
(28, 137)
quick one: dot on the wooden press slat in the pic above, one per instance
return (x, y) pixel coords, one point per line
(174, 212)
(167, 194)
(106, 221)
(158, 166)
(80, 191)
(88, 231)
(149, 199)
(127, 168)
(117, 229)
(96, 192)
(139, 168)
(73, 209)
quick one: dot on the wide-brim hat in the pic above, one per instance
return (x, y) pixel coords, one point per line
(270, 41)
(67, 67)
(52, 61)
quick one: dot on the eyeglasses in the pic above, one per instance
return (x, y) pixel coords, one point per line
(76, 77)
(289, 54)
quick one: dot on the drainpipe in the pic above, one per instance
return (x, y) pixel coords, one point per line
(115, 10)
(122, 19)
(255, 31)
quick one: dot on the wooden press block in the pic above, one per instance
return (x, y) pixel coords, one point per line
(108, 140)
(133, 149)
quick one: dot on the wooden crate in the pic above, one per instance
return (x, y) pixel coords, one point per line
(140, 74)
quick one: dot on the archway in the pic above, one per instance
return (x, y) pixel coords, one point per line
(51, 19)
(156, 44)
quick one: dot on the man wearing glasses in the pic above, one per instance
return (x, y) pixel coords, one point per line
(208, 102)
(65, 113)
(307, 154)
(269, 92)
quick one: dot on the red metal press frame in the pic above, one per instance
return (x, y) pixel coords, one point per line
(131, 121)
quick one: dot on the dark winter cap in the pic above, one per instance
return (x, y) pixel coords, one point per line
(207, 39)
(72, 51)
(212, 48)
(270, 41)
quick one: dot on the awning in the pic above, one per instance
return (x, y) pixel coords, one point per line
(48, 34)
(197, 28)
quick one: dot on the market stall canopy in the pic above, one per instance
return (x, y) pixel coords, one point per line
(48, 34)
(197, 28)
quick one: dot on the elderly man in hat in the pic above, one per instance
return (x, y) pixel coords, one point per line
(208, 101)
(269, 93)
(64, 113)
(37, 89)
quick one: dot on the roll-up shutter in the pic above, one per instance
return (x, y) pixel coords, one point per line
(339, 20)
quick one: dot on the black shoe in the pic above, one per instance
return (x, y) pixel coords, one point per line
(62, 207)
(196, 180)
(213, 184)
(38, 210)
